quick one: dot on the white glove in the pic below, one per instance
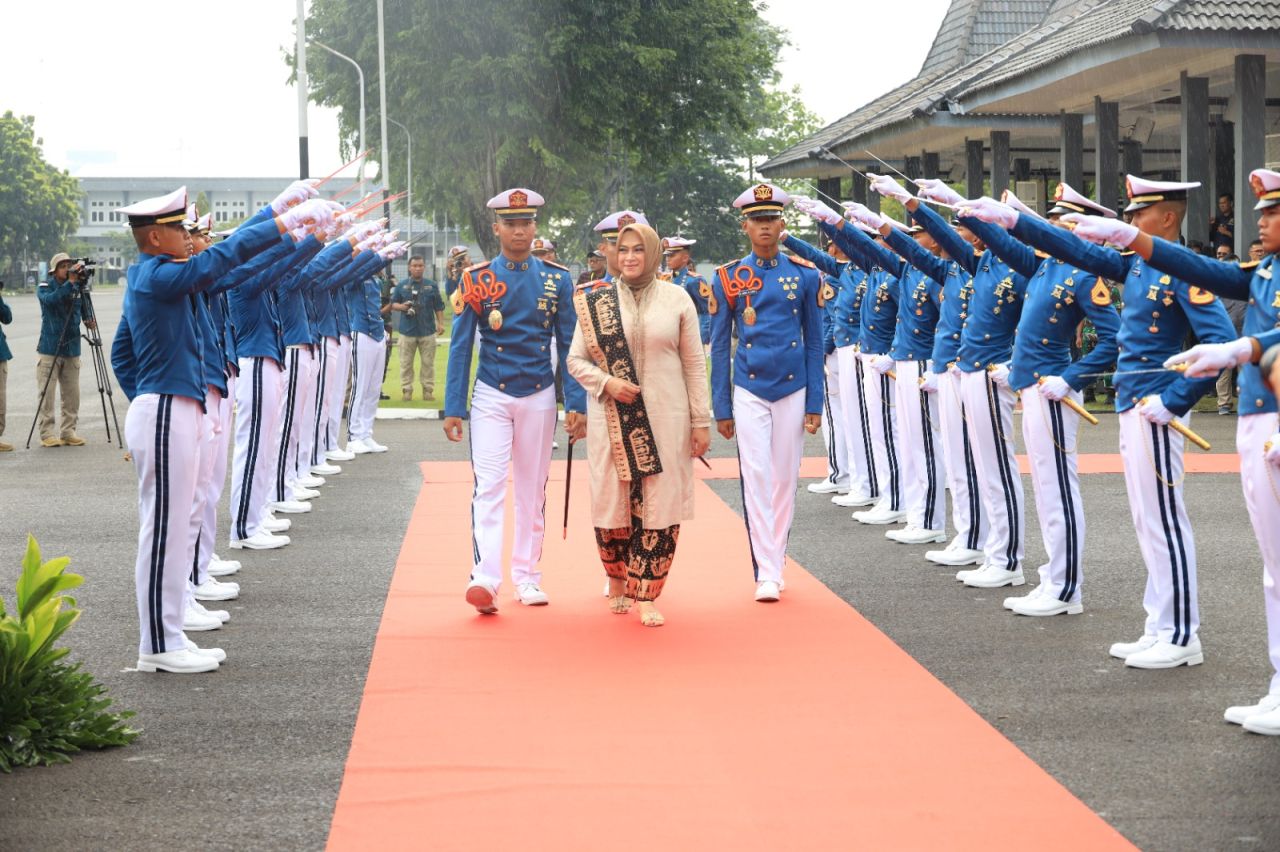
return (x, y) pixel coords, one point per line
(819, 211)
(294, 194)
(889, 188)
(989, 210)
(929, 382)
(881, 363)
(1273, 450)
(861, 213)
(1054, 388)
(1209, 359)
(1000, 375)
(1099, 229)
(311, 216)
(1152, 409)
(392, 250)
(932, 189)
(954, 369)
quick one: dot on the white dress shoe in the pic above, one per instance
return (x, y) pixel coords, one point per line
(374, 446)
(290, 507)
(358, 447)
(483, 597)
(530, 594)
(217, 654)
(1267, 723)
(994, 577)
(851, 500)
(198, 621)
(823, 486)
(302, 493)
(880, 515)
(310, 480)
(1166, 655)
(222, 567)
(220, 614)
(767, 592)
(1123, 650)
(338, 455)
(1034, 593)
(276, 525)
(1045, 604)
(178, 662)
(212, 590)
(261, 540)
(325, 469)
(1237, 715)
(955, 553)
(916, 535)
(231, 563)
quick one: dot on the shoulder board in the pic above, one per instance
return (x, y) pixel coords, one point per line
(1253, 264)
(556, 265)
(977, 253)
(729, 265)
(800, 261)
(1126, 253)
(481, 265)
(1043, 255)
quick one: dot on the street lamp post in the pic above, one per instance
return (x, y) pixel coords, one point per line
(360, 75)
(382, 104)
(408, 179)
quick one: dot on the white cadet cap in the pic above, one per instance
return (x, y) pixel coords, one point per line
(161, 210)
(1143, 193)
(1266, 185)
(542, 244)
(610, 225)
(763, 199)
(516, 203)
(1017, 203)
(1067, 200)
(671, 245)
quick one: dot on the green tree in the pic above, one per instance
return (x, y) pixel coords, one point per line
(39, 204)
(579, 100)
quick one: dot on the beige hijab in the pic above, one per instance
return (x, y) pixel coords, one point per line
(652, 254)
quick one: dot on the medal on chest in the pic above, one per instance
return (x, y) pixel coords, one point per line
(744, 282)
(490, 291)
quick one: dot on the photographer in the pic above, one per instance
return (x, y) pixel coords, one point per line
(421, 316)
(6, 317)
(58, 363)
(454, 266)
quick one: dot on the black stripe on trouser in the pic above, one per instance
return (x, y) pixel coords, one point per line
(971, 477)
(930, 463)
(195, 560)
(746, 515)
(833, 461)
(1061, 467)
(891, 450)
(290, 399)
(320, 412)
(868, 444)
(355, 385)
(1006, 476)
(1168, 499)
(251, 452)
(160, 528)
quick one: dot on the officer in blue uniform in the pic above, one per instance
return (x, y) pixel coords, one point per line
(769, 392)
(678, 253)
(364, 304)
(521, 302)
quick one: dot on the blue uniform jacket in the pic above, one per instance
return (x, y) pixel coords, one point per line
(1257, 283)
(535, 300)
(692, 284)
(212, 358)
(57, 304)
(364, 301)
(878, 322)
(782, 352)
(6, 317)
(954, 288)
(846, 313)
(1158, 312)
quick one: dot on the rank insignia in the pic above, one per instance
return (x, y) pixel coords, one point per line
(1100, 294)
(1199, 297)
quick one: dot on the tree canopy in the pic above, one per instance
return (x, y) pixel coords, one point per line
(39, 204)
(596, 104)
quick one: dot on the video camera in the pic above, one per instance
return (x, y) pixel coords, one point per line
(84, 267)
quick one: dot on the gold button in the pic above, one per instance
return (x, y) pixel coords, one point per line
(543, 348)
(748, 345)
(955, 337)
(502, 386)
(537, 387)
(1044, 340)
(499, 348)
(1144, 358)
(793, 343)
(1257, 403)
(751, 375)
(1035, 375)
(913, 331)
(977, 363)
(790, 376)
(1155, 314)
(986, 337)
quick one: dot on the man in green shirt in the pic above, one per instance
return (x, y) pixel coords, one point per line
(421, 310)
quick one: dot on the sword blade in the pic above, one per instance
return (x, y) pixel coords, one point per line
(1130, 372)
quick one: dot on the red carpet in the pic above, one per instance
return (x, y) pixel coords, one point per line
(738, 726)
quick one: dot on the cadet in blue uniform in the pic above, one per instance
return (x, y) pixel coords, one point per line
(678, 252)
(769, 392)
(368, 354)
(520, 300)
(1159, 311)
(157, 357)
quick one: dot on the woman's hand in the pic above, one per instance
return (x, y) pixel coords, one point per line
(699, 441)
(621, 390)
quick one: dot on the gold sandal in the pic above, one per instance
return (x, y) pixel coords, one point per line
(620, 605)
(649, 616)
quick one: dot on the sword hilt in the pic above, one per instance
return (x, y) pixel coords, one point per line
(1079, 409)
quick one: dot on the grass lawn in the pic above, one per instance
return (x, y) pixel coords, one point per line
(391, 387)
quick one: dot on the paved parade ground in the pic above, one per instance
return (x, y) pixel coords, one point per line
(253, 756)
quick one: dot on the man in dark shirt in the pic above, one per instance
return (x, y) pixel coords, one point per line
(421, 309)
(1222, 228)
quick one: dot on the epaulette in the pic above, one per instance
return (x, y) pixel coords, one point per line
(800, 261)
(1250, 264)
(1043, 255)
(977, 253)
(481, 265)
(556, 265)
(1127, 253)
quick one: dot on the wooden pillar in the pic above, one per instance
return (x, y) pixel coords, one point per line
(1131, 153)
(859, 188)
(1222, 143)
(973, 168)
(910, 167)
(931, 163)
(1071, 160)
(830, 189)
(999, 162)
(1022, 169)
(1251, 140)
(1106, 159)
(1194, 123)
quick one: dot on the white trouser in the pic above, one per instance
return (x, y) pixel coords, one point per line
(324, 391)
(1049, 432)
(923, 468)
(1153, 477)
(857, 430)
(989, 409)
(962, 482)
(258, 395)
(367, 361)
(163, 433)
(770, 444)
(833, 425)
(883, 422)
(296, 379)
(510, 434)
(336, 393)
(306, 415)
(1261, 484)
(205, 504)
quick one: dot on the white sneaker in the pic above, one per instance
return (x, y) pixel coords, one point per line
(851, 500)
(276, 525)
(1034, 604)
(301, 493)
(955, 553)
(1166, 655)
(217, 654)
(222, 567)
(358, 447)
(1123, 650)
(915, 535)
(290, 507)
(1034, 593)
(823, 486)
(261, 540)
(212, 590)
(1237, 715)
(767, 592)
(336, 455)
(220, 614)
(994, 577)
(880, 515)
(178, 662)
(310, 480)
(483, 597)
(1267, 723)
(198, 621)
(530, 594)
(325, 469)
(374, 446)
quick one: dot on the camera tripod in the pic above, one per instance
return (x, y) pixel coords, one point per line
(100, 374)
